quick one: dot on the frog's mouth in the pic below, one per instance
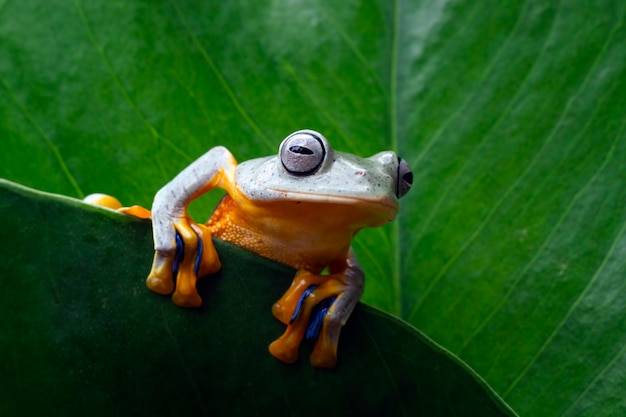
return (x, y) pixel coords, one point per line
(383, 203)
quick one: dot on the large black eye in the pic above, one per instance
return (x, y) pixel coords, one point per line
(302, 153)
(405, 178)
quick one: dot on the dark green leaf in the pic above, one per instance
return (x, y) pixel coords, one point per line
(81, 335)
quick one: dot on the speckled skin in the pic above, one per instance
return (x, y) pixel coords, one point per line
(305, 221)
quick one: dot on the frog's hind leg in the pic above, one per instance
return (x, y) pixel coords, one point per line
(284, 308)
(332, 319)
(319, 313)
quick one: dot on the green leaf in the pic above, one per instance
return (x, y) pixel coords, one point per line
(509, 251)
(82, 335)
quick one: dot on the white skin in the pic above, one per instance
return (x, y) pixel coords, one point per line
(368, 186)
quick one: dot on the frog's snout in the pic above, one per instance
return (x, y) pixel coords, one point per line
(398, 171)
(404, 178)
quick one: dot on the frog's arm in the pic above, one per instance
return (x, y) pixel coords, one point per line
(183, 248)
(315, 307)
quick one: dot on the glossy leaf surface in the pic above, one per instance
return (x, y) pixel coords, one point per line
(82, 334)
(509, 251)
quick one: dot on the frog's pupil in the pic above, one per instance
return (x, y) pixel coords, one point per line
(408, 177)
(301, 150)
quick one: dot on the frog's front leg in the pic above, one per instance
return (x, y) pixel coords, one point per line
(194, 256)
(316, 307)
(183, 248)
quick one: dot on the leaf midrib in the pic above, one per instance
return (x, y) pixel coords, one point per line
(393, 136)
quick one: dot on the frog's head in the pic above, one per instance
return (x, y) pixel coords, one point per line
(307, 169)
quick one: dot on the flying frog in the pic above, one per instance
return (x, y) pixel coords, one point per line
(301, 207)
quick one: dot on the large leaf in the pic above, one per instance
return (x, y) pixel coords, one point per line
(510, 249)
(81, 335)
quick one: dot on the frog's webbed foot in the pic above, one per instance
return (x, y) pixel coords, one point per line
(188, 252)
(315, 308)
(193, 255)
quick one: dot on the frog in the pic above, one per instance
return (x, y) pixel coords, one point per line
(301, 207)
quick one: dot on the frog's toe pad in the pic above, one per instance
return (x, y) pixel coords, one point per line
(323, 359)
(187, 300)
(284, 350)
(281, 313)
(159, 285)
(103, 200)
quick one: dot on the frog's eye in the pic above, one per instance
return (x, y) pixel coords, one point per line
(302, 153)
(405, 178)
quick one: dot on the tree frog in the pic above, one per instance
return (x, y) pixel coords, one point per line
(301, 207)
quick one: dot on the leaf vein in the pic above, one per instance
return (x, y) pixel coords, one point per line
(569, 313)
(393, 136)
(47, 139)
(601, 53)
(118, 83)
(221, 78)
(516, 183)
(477, 151)
(321, 109)
(355, 50)
(470, 97)
(597, 378)
(544, 245)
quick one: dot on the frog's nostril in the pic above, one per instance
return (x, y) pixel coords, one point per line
(405, 178)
